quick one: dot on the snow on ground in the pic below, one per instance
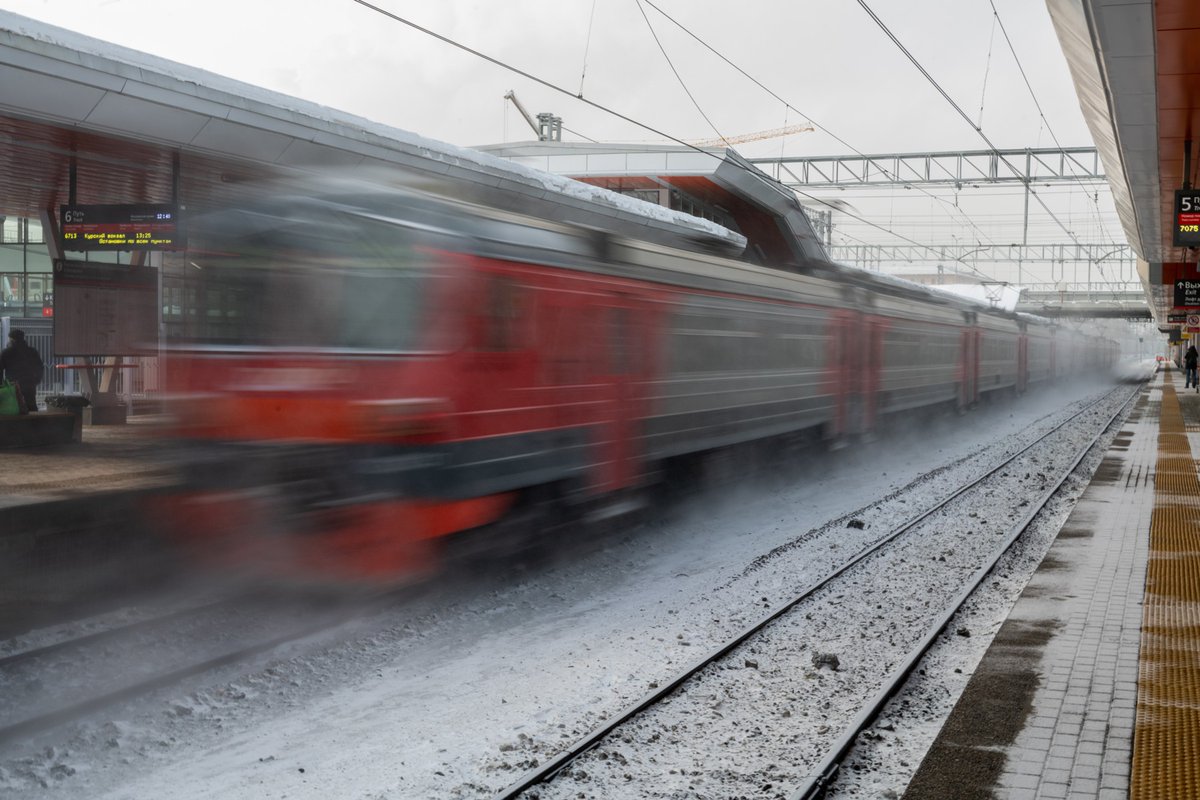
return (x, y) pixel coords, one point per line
(457, 694)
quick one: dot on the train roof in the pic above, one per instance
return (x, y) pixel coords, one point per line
(713, 180)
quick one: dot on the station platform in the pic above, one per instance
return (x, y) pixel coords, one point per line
(72, 521)
(1091, 688)
(110, 458)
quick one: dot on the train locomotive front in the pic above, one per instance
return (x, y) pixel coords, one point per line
(366, 378)
(317, 392)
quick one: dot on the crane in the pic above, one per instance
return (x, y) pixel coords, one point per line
(775, 133)
(548, 127)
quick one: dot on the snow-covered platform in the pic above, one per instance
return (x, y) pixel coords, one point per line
(110, 458)
(1089, 689)
(67, 510)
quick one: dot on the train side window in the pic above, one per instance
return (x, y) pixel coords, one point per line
(620, 341)
(502, 316)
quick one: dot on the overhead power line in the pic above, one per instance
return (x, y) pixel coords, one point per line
(543, 82)
(587, 48)
(678, 77)
(987, 69)
(978, 130)
(1038, 106)
(786, 104)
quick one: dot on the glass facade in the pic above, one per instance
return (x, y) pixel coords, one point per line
(26, 271)
(676, 200)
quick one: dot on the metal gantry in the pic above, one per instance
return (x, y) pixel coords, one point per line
(1049, 274)
(869, 255)
(1114, 301)
(961, 168)
(1108, 269)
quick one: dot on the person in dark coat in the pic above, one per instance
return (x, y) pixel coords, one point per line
(1189, 361)
(21, 364)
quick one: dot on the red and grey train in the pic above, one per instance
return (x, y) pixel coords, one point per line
(367, 374)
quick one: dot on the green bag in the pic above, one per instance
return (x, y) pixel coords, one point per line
(10, 402)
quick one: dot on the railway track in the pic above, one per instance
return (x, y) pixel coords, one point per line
(44, 687)
(16, 723)
(709, 668)
(9, 662)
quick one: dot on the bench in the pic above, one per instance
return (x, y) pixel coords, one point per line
(106, 408)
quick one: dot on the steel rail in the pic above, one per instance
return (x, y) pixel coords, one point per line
(820, 780)
(368, 604)
(551, 768)
(108, 633)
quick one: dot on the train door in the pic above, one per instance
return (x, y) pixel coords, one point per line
(1022, 362)
(630, 355)
(872, 373)
(968, 367)
(976, 364)
(498, 341)
(837, 372)
(851, 358)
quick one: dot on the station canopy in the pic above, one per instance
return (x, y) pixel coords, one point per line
(1136, 69)
(125, 119)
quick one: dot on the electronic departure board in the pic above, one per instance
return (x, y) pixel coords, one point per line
(1187, 218)
(142, 226)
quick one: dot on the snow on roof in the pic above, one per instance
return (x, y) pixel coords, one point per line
(1003, 298)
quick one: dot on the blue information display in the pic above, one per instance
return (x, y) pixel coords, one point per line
(1186, 232)
(139, 226)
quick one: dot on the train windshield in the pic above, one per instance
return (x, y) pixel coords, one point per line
(332, 281)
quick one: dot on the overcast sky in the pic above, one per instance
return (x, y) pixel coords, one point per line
(824, 57)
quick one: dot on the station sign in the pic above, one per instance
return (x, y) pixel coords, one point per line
(104, 309)
(137, 226)
(1176, 319)
(1187, 293)
(1187, 218)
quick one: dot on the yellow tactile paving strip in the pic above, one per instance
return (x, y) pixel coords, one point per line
(1166, 743)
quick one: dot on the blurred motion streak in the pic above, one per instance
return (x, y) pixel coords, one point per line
(366, 377)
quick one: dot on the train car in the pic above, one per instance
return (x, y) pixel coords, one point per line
(735, 352)
(1039, 351)
(999, 349)
(1078, 352)
(1066, 356)
(368, 374)
(924, 355)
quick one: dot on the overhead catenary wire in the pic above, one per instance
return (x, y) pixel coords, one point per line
(1037, 104)
(978, 129)
(786, 104)
(580, 135)
(675, 72)
(587, 46)
(986, 70)
(873, 200)
(549, 85)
